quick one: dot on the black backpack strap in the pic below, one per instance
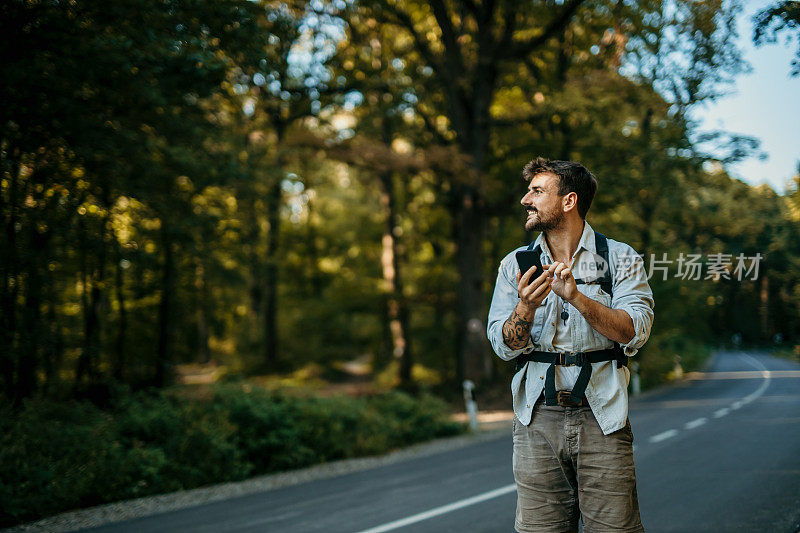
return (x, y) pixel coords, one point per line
(582, 359)
(607, 284)
(601, 245)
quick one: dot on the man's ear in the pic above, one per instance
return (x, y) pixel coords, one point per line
(570, 201)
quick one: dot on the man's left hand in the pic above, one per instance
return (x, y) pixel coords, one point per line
(562, 281)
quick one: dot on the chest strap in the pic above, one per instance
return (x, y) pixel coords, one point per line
(581, 359)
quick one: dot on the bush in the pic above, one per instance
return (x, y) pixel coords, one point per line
(661, 352)
(57, 456)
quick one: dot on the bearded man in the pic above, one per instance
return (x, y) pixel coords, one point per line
(570, 327)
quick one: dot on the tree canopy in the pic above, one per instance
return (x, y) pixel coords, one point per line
(287, 186)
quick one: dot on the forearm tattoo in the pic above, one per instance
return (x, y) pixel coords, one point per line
(516, 331)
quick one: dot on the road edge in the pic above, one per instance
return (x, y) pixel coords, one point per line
(123, 510)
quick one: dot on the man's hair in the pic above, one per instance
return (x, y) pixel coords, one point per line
(572, 177)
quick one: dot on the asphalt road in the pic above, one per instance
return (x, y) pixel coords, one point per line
(720, 452)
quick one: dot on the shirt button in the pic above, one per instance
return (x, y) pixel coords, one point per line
(528, 406)
(541, 377)
(553, 323)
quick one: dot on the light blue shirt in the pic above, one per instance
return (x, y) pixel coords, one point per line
(607, 391)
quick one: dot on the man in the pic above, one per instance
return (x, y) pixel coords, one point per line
(573, 444)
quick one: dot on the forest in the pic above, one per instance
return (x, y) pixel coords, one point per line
(271, 185)
(288, 188)
(239, 237)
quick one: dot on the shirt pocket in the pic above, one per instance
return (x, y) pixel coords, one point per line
(596, 293)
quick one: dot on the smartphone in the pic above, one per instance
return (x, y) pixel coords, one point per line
(528, 258)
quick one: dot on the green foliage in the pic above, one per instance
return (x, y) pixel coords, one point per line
(775, 18)
(664, 351)
(412, 418)
(218, 182)
(56, 456)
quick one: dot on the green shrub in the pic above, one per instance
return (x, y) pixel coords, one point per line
(413, 419)
(57, 456)
(658, 358)
(48, 458)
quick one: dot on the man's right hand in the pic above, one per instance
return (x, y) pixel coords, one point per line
(531, 293)
(517, 329)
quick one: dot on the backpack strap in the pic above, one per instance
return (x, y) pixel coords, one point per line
(601, 245)
(607, 284)
(606, 281)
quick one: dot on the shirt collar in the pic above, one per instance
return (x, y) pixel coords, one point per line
(586, 241)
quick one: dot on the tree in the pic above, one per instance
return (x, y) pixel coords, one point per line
(780, 16)
(119, 115)
(461, 50)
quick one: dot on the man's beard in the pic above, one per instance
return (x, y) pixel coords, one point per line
(544, 223)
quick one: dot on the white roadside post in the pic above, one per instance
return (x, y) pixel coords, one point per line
(636, 383)
(472, 406)
(678, 370)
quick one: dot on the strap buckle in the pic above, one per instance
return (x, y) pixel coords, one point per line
(564, 399)
(571, 359)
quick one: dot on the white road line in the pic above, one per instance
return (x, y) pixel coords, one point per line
(695, 423)
(766, 374)
(724, 411)
(767, 378)
(664, 436)
(443, 509)
(511, 488)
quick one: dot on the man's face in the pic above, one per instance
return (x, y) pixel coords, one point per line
(542, 203)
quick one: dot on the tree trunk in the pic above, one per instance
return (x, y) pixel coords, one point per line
(54, 352)
(396, 307)
(564, 62)
(85, 361)
(92, 299)
(471, 340)
(163, 361)
(9, 260)
(98, 299)
(201, 314)
(312, 254)
(271, 274)
(273, 201)
(473, 348)
(122, 325)
(650, 196)
(31, 331)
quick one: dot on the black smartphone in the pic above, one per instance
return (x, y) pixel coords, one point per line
(528, 258)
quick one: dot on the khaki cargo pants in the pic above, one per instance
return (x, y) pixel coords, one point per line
(566, 469)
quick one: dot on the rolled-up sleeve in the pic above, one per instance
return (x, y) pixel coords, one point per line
(504, 300)
(633, 295)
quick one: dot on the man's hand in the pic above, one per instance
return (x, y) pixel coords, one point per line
(562, 281)
(517, 328)
(532, 293)
(614, 324)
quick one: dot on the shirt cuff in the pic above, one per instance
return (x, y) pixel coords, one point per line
(640, 335)
(510, 354)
